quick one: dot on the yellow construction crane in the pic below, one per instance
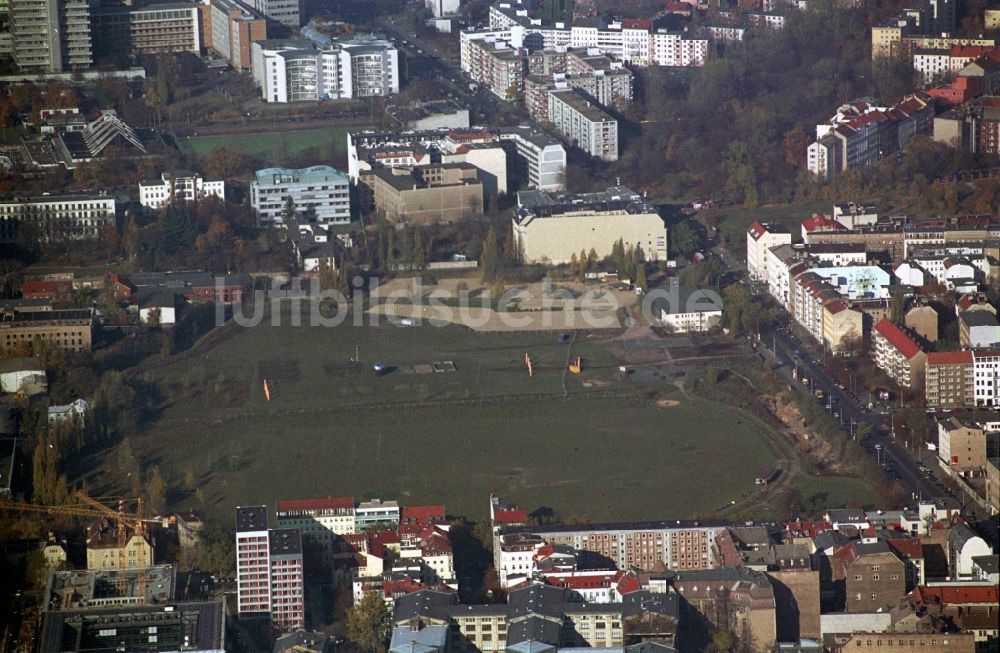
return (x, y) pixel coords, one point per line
(126, 523)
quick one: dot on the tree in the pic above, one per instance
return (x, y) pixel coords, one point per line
(156, 491)
(368, 624)
(640, 276)
(683, 240)
(491, 256)
(216, 554)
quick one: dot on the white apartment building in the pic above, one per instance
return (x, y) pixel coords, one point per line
(515, 555)
(552, 229)
(78, 216)
(897, 354)
(584, 124)
(761, 237)
(632, 41)
(182, 185)
(318, 519)
(369, 150)
(376, 513)
(941, 64)
(319, 192)
(986, 377)
(286, 12)
(687, 310)
(295, 70)
(537, 158)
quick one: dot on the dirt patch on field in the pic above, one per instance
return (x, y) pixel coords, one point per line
(279, 370)
(667, 403)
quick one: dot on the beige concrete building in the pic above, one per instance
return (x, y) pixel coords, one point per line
(232, 28)
(992, 473)
(552, 229)
(961, 445)
(906, 643)
(923, 320)
(949, 380)
(842, 324)
(104, 551)
(70, 330)
(796, 594)
(886, 38)
(440, 193)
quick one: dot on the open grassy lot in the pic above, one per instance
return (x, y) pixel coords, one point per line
(734, 220)
(592, 458)
(601, 448)
(266, 145)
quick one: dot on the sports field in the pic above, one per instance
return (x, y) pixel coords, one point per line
(599, 449)
(265, 145)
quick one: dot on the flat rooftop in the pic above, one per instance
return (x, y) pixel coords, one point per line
(77, 589)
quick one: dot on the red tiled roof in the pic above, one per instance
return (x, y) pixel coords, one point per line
(949, 357)
(422, 515)
(628, 583)
(957, 595)
(329, 503)
(510, 516)
(819, 221)
(756, 230)
(810, 528)
(897, 338)
(970, 51)
(637, 23)
(909, 547)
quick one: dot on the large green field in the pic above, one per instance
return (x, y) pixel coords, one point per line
(591, 446)
(268, 145)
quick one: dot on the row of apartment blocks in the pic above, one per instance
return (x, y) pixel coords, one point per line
(87, 31)
(504, 158)
(294, 70)
(806, 579)
(926, 26)
(861, 134)
(378, 545)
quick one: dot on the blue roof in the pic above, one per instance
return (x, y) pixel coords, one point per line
(300, 175)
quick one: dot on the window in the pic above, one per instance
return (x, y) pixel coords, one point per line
(874, 596)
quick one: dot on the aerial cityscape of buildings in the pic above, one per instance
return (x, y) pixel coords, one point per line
(783, 444)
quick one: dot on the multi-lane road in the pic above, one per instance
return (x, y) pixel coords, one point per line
(851, 411)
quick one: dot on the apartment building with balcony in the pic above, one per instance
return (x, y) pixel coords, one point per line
(51, 36)
(319, 192)
(896, 353)
(949, 382)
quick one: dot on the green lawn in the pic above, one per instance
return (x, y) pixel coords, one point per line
(608, 451)
(272, 144)
(733, 221)
(835, 491)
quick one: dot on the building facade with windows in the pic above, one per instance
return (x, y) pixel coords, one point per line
(554, 228)
(53, 218)
(179, 185)
(949, 380)
(70, 330)
(296, 70)
(584, 124)
(318, 192)
(234, 27)
(51, 36)
(269, 578)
